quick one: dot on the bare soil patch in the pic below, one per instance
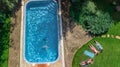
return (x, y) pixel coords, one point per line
(14, 49)
(74, 35)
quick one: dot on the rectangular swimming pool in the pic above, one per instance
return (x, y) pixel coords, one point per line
(41, 32)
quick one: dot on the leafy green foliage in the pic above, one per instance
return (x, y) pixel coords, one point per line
(2, 17)
(7, 5)
(89, 7)
(4, 40)
(115, 29)
(92, 19)
(107, 6)
(4, 58)
(75, 10)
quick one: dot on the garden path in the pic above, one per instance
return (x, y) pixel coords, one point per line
(112, 36)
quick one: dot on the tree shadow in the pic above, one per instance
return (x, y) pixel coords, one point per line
(16, 8)
(110, 7)
(67, 21)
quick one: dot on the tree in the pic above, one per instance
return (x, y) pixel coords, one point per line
(75, 9)
(94, 20)
(8, 5)
(2, 17)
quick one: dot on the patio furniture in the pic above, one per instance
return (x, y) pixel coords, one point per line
(88, 53)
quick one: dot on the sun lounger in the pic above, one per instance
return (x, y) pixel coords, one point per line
(88, 53)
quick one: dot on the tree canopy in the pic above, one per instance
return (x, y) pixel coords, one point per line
(8, 5)
(92, 19)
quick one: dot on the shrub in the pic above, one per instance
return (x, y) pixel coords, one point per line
(2, 17)
(8, 5)
(4, 40)
(92, 19)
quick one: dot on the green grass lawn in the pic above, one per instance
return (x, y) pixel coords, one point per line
(109, 58)
(114, 30)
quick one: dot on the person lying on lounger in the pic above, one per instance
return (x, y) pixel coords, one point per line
(98, 45)
(94, 49)
(87, 62)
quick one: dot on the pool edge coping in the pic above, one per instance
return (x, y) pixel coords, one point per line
(21, 33)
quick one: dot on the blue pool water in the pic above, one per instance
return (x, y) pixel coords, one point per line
(41, 32)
